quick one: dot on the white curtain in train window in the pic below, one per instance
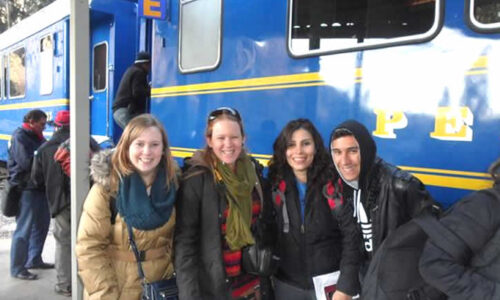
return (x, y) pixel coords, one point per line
(46, 65)
(200, 34)
(17, 73)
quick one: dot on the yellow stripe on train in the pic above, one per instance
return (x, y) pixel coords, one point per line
(35, 104)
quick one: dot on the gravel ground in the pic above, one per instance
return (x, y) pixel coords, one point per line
(7, 226)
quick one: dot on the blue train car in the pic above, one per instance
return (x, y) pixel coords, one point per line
(420, 74)
(34, 58)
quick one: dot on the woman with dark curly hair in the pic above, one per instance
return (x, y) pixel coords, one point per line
(317, 236)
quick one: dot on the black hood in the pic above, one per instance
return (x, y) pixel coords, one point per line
(367, 147)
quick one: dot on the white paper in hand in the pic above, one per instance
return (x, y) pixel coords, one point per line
(325, 285)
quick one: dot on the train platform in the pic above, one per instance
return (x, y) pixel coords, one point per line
(15, 289)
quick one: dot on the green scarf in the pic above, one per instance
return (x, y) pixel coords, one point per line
(239, 188)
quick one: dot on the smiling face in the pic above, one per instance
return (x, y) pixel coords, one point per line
(226, 141)
(145, 152)
(300, 153)
(347, 157)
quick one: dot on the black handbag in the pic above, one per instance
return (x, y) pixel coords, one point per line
(165, 289)
(160, 290)
(9, 199)
(259, 261)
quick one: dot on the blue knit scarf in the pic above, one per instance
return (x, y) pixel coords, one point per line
(140, 210)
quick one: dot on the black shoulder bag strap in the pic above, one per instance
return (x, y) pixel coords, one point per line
(443, 237)
(137, 253)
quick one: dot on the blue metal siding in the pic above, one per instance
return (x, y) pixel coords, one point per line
(416, 79)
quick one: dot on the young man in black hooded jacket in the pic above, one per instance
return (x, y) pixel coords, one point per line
(382, 196)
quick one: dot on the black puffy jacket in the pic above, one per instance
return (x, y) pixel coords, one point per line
(476, 221)
(133, 91)
(24, 144)
(394, 197)
(47, 174)
(324, 243)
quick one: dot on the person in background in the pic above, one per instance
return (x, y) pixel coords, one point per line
(133, 91)
(47, 174)
(33, 218)
(314, 239)
(134, 185)
(381, 196)
(220, 200)
(475, 273)
(63, 154)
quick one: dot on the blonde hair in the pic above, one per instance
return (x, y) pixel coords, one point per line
(120, 161)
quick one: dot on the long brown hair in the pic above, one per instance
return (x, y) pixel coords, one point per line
(120, 161)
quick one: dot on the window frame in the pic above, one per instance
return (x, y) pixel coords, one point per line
(93, 64)
(4, 70)
(52, 35)
(219, 42)
(474, 24)
(9, 71)
(2, 97)
(391, 42)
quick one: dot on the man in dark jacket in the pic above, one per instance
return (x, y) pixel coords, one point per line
(476, 222)
(382, 197)
(33, 219)
(133, 91)
(47, 173)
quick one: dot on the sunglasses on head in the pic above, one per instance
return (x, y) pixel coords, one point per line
(224, 110)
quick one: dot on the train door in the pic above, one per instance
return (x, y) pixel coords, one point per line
(100, 102)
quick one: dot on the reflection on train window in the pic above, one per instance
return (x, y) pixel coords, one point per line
(484, 14)
(199, 34)
(17, 73)
(100, 59)
(327, 26)
(46, 64)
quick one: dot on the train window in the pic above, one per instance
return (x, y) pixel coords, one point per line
(199, 35)
(484, 15)
(46, 64)
(100, 59)
(17, 73)
(4, 77)
(1, 78)
(329, 26)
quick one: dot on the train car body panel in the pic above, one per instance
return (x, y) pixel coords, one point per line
(114, 42)
(34, 56)
(430, 105)
(420, 74)
(35, 69)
